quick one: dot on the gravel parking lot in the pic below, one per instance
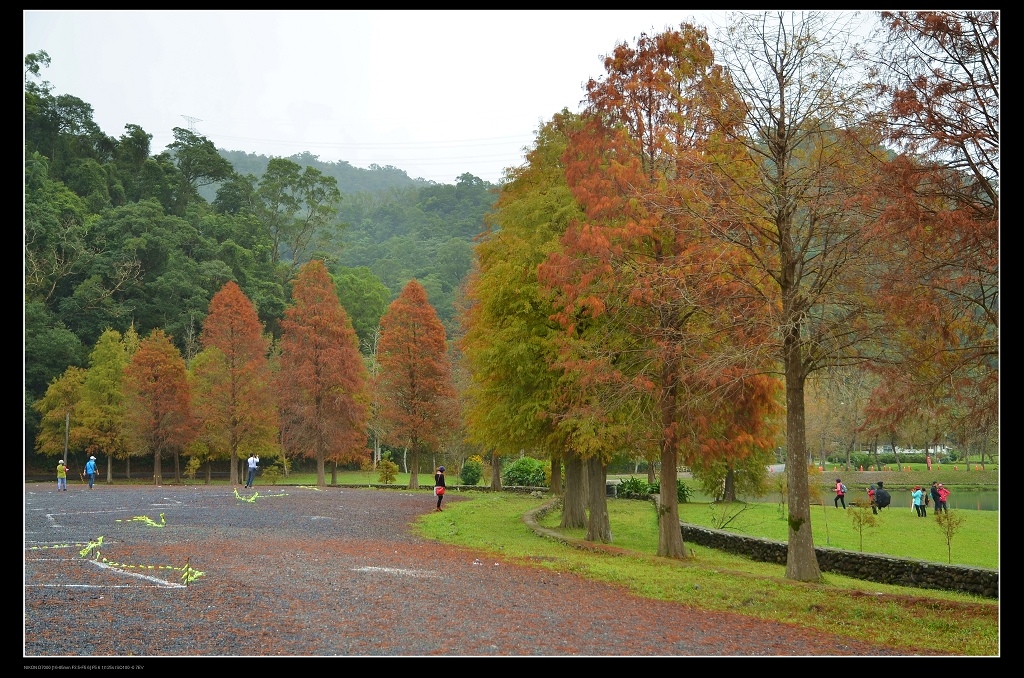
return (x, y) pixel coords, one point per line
(301, 572)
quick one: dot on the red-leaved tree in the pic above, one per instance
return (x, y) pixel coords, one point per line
(232, 395)
(158, 415)
(415, 389)
(322, 386)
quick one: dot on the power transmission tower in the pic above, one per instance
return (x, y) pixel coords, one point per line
(191, 123)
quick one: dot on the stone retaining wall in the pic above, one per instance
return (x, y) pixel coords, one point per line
(868, 566)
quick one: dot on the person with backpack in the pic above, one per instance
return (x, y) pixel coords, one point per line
(840, 494)
(882, 496)
(933, 492)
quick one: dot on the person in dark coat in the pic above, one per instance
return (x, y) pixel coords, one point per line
(439, 486)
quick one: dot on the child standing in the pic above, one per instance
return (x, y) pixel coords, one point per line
(62, 476)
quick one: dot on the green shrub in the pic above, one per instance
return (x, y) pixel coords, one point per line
(272, 472)
(472, 470)
(525, 471)
(388, 469)
(633, 488)
(683, 493)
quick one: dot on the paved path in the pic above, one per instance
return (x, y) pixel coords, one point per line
(305, 573)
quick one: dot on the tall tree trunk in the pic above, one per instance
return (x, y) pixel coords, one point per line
(177, 468)
(892, 442)
(233, 470)
(729, 490)
(670, 535)
(495, 471)
(334, 473)
(556, 473)
(128, 467)
(801, 561)
(599, 528)
(651, 470)
(157, 477)
(110, 469)
(574, 503)
(321, 477)
(414, 468)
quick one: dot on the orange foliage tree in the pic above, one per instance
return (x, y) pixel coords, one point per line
(322, 383)
(232, 395)
(415, 389)
(938, 73)
(159, 415)
(508, 345)
(646, 303)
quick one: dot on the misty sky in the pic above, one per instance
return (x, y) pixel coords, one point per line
(435, 93)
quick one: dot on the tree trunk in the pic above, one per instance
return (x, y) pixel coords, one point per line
(556, 473)
(321, 478)
(413, 471)
(729, 490)
(599, 528)
(334, 473)
(574, 503)
(892, 441)
(209, 472)
(128, 467)
(651, 470)
(110, 469)
(233, 471)
(495, 471)
(177, 468)
(157, 478)
(670, 535)
(801, 561)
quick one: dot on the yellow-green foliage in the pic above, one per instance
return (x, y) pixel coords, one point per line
(949, 523)
(862, 517)
(388, 471)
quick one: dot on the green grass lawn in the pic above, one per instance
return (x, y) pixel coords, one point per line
(901, 617)
(897, 530)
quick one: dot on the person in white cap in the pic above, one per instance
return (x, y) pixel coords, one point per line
(90, 470)
(62, 476)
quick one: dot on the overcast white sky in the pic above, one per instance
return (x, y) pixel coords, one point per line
(435, 92)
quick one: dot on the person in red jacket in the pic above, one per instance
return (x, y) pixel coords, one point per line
(840, 493)
(940, 505)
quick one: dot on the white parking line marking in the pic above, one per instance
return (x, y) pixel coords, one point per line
(395, 570)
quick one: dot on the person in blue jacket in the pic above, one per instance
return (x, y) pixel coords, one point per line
(90, 470)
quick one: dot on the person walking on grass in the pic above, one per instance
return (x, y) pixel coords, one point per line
(917, 501)
(62, 476)
(90, 470)
(840, 493)
(439, 486)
